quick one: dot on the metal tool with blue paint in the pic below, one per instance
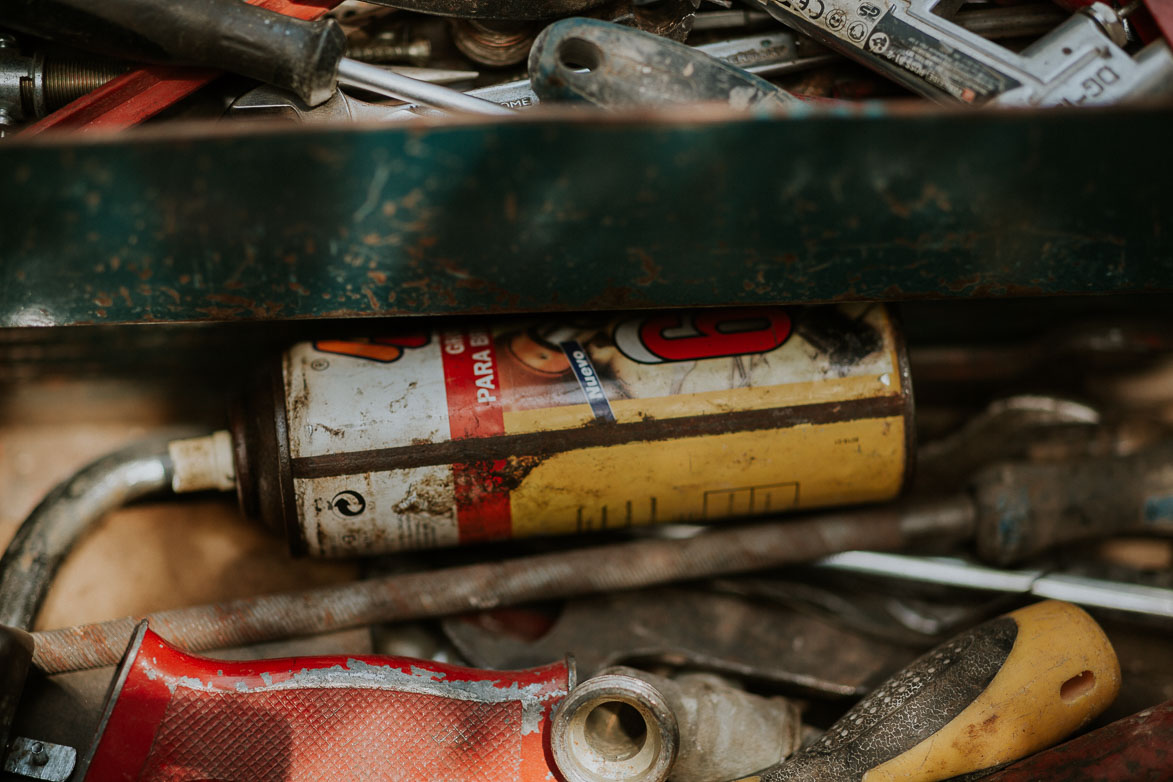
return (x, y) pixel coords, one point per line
(1032, 506)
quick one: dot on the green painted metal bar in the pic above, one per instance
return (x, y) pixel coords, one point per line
(576, 211)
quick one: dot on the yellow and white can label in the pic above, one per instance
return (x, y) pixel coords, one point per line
(578, 422)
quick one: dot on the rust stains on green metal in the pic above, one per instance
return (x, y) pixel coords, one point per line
(568, 213)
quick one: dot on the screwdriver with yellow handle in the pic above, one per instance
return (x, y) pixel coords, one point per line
(1005, 689)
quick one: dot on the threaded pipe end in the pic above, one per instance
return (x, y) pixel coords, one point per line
(68, 79)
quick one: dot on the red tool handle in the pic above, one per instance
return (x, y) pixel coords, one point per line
(1135, 749)
(174, 716)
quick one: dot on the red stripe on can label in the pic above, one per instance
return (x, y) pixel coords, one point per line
(483, 511)
(472, 383)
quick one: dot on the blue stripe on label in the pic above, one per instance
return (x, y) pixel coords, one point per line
(1158, 511)
(588, 380)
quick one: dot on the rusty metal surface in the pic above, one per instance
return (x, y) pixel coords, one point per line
(485, 585)
(700, 630)
(557, 211)
(1135, 749)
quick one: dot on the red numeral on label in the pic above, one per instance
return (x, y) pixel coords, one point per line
(688, 336)
(381, 349)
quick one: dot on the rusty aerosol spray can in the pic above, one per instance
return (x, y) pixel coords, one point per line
(567, 423)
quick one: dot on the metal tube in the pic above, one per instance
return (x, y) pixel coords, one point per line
(385, 82)
(489, 585)
(1081, 590)
(67, 512)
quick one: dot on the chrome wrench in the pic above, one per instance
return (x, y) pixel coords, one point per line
(1080, 62)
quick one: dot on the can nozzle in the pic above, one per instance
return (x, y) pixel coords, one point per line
(201, 463)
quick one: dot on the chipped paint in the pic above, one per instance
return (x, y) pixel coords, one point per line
(983, 206)
(534, 698)
(482, 721)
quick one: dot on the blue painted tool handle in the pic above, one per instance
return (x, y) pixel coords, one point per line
(1024, 508)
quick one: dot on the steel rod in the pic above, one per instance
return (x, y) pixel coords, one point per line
(386, 82)
(489, 585)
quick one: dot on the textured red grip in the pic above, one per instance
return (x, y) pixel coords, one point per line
(175, 716)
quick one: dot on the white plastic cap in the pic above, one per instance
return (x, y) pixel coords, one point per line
(202, 463)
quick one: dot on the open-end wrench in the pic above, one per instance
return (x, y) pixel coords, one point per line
(767, 54)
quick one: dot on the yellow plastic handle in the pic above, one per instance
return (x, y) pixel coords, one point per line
(1060, 673)
(1003, 690)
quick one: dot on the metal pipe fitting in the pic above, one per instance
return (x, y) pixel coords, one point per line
(631, 726)
(34, 86)
(615, 726)
(388, 49)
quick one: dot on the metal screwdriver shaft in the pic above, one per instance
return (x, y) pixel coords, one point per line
(396, 85)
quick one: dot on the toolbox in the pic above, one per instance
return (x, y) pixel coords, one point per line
(194, 274)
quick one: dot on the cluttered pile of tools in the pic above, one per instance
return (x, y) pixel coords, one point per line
(444, 55)
(540, 491)
(661, 648)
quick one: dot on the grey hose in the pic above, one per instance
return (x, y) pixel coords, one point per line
(67, 512)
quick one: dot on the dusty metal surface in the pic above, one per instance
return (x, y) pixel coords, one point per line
(40, 759)
(558, 212)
